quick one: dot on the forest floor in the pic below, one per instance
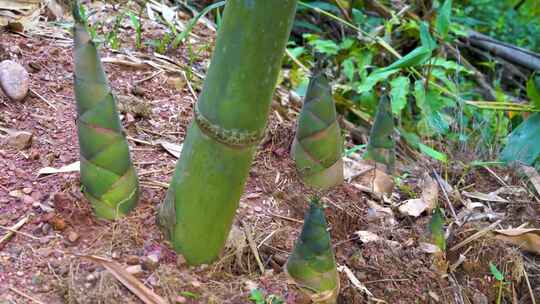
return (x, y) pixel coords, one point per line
(157, 93)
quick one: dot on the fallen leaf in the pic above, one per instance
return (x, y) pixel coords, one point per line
(142, 292)
(173, 149)
(428, 247)
(379, 213)
(490, 197)
(526, 239)
(533, 176)
(355, 167)
(430, 191)
(367, 236)
(73, 167)
(413, 207)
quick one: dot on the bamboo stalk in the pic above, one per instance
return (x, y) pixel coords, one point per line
(230, 119)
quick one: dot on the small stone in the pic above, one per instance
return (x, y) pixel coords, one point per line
(27, 190)
(180, 299)
(479, 298)
(134, 269)
(16, 193)
(115, 255)
(90, 277)
(58, 223)
(149, 264)
(14, 80)
(19, 139)
(138, 91)
(45, 228)
(20, 273)
(257, 209)
(196, 283)
(154, 257)
(132, 260)
(73, 236)
(27, 200)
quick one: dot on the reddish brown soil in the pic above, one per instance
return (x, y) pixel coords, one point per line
(38, 263)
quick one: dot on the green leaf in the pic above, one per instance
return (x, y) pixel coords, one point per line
(418, 56)
(399, 92)
(257, 296)
(419, 93)
(449, 65)
(297, 51)
(346, 44)
(523, 142)
(427, 150)
(442, 23)
(436, 227)
(327, 47)
(533, 89)
(348, 68)
(180, 37)
(425, 37)
(374, 78)
(495, 272)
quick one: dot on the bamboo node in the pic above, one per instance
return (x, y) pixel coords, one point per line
(231, 137)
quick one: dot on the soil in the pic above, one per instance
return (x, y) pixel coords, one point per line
(38, 262)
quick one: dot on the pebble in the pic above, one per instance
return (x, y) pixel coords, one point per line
(180, 300)
(73, 236)
(134, 269)
(19, 139)
(132, 260)
(14, 80)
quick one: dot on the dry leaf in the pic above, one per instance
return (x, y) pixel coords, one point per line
(144, 293)
(413, 207)
(490, 197)
(173, 149)
(533, 176)
(379, 213)
(367, 236)
(430, 191)
(355, 167)
(73, 167)
(526, 239)
(428, 247)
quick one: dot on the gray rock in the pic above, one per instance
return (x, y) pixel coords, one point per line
(14, 80)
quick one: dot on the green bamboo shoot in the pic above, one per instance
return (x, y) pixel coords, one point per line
(312, 264)
(230, 120)
(318, 144)
(381, 145)
(108, 177)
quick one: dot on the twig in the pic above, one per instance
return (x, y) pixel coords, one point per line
(476, 236)
(439, 181)
(354, 280)
(13, 229)
(529, 285)
(22, 294)
(253, 246)
(295, 60)
(148, 78)
(287, 218)
(42, 98)
(267, 238)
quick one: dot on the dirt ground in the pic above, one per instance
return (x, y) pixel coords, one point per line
(38, 265)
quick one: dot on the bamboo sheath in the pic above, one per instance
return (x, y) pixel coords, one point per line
(108, 177)
(317, 146)
(312, 265)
